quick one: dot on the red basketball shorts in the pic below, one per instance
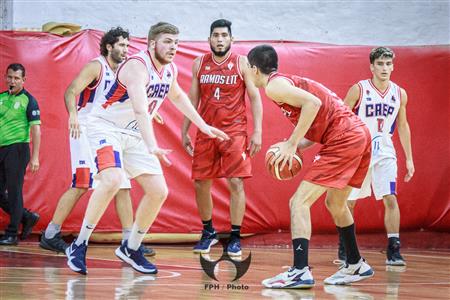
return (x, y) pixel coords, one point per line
(215, 159)
(343, 161)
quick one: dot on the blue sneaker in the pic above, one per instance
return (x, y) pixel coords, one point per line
(206, 241)
(76, 257)
(136, 259)
(234, 247)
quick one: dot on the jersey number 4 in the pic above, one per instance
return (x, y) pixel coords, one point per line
(380, 124)
(217, 93)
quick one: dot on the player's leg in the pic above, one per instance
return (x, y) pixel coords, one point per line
(205, 166)
(356, 268)
(235, 166)
(299, 275)
(155, 193)
(205, 206)
(385, 181)
(51, 239)
(124, 209)
(237, 211)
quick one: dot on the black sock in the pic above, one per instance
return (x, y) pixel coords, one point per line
(207, 226)
(235, 232)
(351, 247)
(300, 247)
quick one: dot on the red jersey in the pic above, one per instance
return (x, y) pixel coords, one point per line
(222, 94)
(334, 117)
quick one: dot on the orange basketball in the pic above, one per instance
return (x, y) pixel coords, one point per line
(285, 173)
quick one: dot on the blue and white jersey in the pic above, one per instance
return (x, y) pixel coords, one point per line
(379, 110)
(116, 108)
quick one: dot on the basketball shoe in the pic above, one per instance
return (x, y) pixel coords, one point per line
(291, 279)
(234, 247)
(351, 273)
(76, 257)
(207, 240)
(136, 259)
(394, 258)
(56, 243)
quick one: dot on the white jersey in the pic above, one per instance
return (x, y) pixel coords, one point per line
(95, 92)
(116, 108)
(379, 112)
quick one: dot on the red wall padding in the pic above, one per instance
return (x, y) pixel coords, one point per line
(52, 62)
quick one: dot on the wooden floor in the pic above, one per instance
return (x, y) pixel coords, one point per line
(28, 272)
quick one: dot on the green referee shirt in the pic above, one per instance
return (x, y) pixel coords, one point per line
(17, 114)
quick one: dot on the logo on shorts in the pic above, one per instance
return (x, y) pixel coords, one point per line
(82, 162)
(316, 158)
(244, 155)
(102, 142)
(241, 266)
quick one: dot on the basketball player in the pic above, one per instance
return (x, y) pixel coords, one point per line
(219, 82)
(321, 117)
(121, 136)
(95, 77)
(381, 104)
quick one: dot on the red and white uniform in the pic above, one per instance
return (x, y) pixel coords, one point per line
(345, 155)
(82, 162)
(222, 105)
(379, 110)
(113, 131)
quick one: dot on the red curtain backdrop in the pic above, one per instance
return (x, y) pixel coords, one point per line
(52, 62)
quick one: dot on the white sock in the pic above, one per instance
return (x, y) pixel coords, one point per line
(126, 233)
(85, 233)
(393, 235)
(136, 237)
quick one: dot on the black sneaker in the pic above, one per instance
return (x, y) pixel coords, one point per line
(28, 222)
(147, 251)
(394, 258)
(56, 243)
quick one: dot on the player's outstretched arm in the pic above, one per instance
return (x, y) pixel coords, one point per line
(194, 96)
(281, 91)
(404, 133)
(89, 73)
(352, 96)
(256, 106)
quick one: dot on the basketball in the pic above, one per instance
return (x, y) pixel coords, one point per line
(285, 173)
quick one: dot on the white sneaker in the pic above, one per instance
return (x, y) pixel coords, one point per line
(351, 273)
(291, 279)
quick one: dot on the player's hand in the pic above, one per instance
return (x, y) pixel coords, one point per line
(74, 126)
(187, 144)
(284, 155)
(255, 143)
(215, 133)
(410, 170)
(161, 154)
(34, 164)
(158, 118)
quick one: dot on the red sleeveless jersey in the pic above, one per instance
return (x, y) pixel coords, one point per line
(222, 94)
(334, 117)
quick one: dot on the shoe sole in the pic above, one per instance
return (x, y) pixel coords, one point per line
(205, 251)
(234, 253)
(395, 263)
(129, 261)
(354, 278)
(72, 266)
(46, 246)
(303, 286)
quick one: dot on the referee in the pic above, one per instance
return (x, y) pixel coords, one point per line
(19, 113)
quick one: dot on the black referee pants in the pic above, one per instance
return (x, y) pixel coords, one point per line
(13, 163)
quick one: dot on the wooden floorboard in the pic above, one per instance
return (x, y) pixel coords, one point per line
(28, 272)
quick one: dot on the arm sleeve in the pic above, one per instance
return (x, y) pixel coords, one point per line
(33, 112)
